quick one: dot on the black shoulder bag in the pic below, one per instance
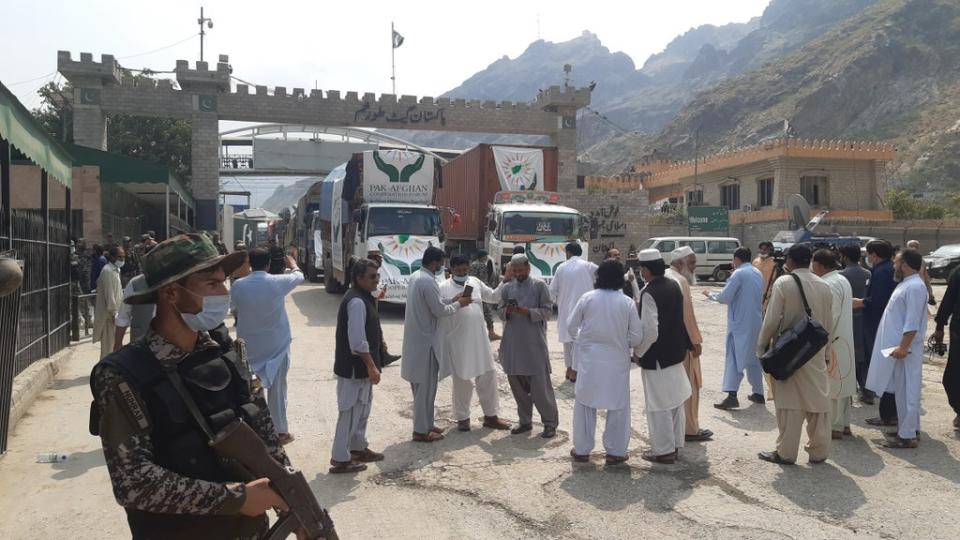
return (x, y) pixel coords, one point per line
(795, 346)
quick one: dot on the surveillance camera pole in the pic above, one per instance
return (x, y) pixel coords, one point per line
(201, 21)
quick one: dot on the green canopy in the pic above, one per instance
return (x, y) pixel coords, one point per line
(133, 173)
(22, 130)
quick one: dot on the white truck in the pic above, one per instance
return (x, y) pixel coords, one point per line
(381, 202)
(534, 221)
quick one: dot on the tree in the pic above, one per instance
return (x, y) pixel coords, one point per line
(160, 140)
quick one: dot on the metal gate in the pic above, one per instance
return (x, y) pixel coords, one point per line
(35, 323)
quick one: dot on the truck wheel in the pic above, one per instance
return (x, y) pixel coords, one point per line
(311, 274)
(721, 274)
(329, 282)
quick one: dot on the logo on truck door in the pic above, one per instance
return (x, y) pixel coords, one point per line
(404, 252)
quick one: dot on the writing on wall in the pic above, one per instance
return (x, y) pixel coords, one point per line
(607, 221)
(411, 114)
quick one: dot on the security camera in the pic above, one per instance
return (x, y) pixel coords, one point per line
(209, 24)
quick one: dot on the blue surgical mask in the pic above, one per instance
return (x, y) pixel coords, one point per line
(460, 280)
(211, 315)
(118, 264)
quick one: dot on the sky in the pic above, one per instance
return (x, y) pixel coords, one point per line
(335, 45)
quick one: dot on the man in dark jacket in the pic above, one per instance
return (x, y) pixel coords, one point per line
(357, 366)
(950, 312)
(858, 277)
(879, 255)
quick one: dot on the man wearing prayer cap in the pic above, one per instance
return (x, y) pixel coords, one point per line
(661, 354)
(683, 264)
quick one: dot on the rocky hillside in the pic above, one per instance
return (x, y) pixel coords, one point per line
(890, 73)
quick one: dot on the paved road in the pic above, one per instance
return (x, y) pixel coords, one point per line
(486, 484)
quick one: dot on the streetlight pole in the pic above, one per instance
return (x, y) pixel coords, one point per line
(200, 21)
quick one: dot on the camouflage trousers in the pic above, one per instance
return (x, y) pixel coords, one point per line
(84, 306)
(488, 316)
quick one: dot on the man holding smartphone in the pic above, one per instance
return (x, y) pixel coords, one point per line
(525, 308)
(463, 348)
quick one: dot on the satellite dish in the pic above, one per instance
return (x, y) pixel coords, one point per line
(799, 210)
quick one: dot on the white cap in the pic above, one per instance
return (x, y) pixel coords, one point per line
(681, 252)
(647, 255)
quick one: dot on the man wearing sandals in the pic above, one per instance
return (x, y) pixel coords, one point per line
(663, 348)
(897, 362)
(357, 364)
(420, 366)
(805, 395)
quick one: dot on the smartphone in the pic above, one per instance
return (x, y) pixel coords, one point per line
(468, 291)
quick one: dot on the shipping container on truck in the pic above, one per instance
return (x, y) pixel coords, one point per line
(303, 234)
(497, 220)
(470, 182)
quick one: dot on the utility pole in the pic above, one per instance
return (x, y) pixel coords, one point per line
(200, 21)
(393, 56)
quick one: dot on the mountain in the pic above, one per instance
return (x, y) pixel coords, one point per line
(891, 72)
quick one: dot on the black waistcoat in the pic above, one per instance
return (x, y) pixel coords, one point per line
(213, 379)
(345, 363)
(672, 341)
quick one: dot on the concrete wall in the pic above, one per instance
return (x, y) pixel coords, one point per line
(622, 218)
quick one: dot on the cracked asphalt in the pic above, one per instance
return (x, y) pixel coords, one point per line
(490, 485)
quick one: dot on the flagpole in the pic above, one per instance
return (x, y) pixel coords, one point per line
(393, 63)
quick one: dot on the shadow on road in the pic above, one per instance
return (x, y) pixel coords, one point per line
(319, 307)
(932, 456)
(63, 384)
(752, 418)
(820, 488)
(78, 464)
(857, 456)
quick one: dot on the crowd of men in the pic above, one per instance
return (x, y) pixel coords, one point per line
(160, 400)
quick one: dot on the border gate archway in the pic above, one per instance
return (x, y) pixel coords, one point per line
(205, 97)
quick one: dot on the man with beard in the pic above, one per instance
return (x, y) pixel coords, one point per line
(664, 346)
(681, 270)
(573, 278)
(879, 289)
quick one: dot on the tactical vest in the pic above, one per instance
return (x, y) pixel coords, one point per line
(672, 341)
(345, 363)
(215, 382)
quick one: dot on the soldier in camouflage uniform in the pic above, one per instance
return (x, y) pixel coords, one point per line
(482, 269)
(80, 282)
(164, 473)
(132, 265)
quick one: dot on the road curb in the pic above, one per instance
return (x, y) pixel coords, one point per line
(34, 380)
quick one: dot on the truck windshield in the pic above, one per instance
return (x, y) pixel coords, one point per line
(384, 221)
(538, 226)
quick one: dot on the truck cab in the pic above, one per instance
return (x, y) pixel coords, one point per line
(534, 221)
(400, 233)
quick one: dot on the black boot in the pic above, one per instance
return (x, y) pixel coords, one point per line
(730, 402)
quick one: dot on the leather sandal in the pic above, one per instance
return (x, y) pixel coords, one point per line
(366, 455)
(494, 422)
(285, 438)
(877, 421)
(463, 425)
(344, 467)
(522, 428)
(616, 460)
(836, 435)
(666, 459)
(701, 435)
(774, 457)
(436, 430)
(429, 437)
(579, 458)
(900, 443)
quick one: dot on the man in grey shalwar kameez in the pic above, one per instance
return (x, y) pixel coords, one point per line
(420, 366)
(525, 307)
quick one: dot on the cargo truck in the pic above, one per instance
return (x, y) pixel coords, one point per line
(380, 201)
(301, 231)
(503, 197)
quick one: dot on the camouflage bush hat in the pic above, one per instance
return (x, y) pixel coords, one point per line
(178, 257)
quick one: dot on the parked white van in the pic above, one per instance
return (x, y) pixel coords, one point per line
(714, 254)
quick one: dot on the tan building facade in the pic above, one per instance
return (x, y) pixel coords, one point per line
(754, 182)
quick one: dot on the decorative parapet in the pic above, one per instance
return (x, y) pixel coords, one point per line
(662, 173)
(202, 77)
(629, 182)
(106, 71)
(556, 96)
(767, 215)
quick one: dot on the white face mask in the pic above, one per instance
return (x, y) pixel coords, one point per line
(214, 311)
(119, 264)
(460, 280)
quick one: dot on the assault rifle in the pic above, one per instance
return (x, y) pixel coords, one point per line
(244, 450)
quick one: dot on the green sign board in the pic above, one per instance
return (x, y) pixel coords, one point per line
(707, 218)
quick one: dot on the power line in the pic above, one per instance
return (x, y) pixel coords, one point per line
(47, 76)
(165, 47)
(608, 121)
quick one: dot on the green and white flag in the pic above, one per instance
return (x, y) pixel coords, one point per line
(519, 169)
(397, 39)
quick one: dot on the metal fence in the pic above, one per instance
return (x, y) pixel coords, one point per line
(35, 323)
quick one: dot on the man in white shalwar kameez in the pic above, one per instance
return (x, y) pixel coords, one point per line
(842, 368)
(897, 363)
(573, 278)
(605, 326)
(683, 264)
(419, 366)
(662, 350)
(463, 347)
